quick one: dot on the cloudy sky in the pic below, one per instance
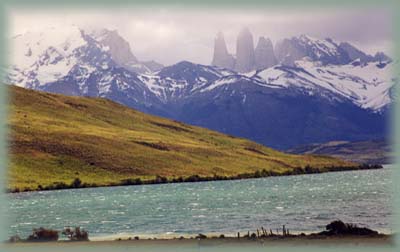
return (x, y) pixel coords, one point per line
(169, 35)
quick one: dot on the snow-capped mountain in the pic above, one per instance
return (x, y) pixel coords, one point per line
(322, 89)
(121, 53)
(76, 63)
(367, 85)
(182, 80)
(286, 52)
(325, 51)
(279, 117)
(39, 58)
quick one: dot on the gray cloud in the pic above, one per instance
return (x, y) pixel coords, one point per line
(171, 35)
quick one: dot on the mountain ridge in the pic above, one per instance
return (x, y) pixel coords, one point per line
(367, 152)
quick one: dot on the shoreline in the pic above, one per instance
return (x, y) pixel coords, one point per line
(335, 229)
(212, 235)
(196, 178)
(314, 240)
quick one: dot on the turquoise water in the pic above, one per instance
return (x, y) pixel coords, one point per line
(304, 203)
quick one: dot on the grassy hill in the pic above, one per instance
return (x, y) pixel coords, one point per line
(55, 139)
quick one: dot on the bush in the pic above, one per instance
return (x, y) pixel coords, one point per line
(338, 227)
(42, 234)
(160, 180)
(15, 238)
(76, 183)
(192, 178)
(76, 234)
(130, 181)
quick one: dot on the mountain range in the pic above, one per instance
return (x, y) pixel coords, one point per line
(287, 52)
(303, 90)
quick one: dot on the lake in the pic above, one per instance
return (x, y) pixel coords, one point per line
(304, 203)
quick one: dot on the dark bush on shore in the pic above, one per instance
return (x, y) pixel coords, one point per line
(15, 238)
(76, 234)
(201, 236)
(177, 180)
(48, 235)
(340, 228)
(76, 183)
(42, 234)
(160, 180)
(193, 178)
(136, 181)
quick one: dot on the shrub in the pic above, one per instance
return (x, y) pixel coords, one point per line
(76, 183)
(130, 181)
(161, 180)
(14, 238)
(76, 234)
(192, 178)
(201, 236)
(42, 234)
(257, 174)
(340, 228)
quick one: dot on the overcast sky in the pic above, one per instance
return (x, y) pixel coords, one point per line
(170, 35)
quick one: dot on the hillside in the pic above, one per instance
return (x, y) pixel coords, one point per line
(368, 152)
(55, 139)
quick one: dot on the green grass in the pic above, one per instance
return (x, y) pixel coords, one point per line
(55, 138)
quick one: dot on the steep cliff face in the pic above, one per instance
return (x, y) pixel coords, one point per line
(264, 54)
(221, 56)
(245, 52)
(118, 47)
(287, 52)
(120, 52)
(325, 51)
(354, 53)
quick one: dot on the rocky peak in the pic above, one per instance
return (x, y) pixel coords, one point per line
(245, 52)
(381, 57)
(221, 56)
(325, 51)
(264, 54)
(287, 52)
(355, 53)
(117, 47)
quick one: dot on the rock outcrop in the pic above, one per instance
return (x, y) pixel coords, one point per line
(264, 54)
(325, 51)
(118, 48)
(287, 52)
(381, 57)
(221, 56)
(355, 53)
(245, 52)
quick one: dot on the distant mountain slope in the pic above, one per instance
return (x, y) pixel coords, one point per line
(367, 85)
(369, 152)
(279, 118)
(56, 138)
